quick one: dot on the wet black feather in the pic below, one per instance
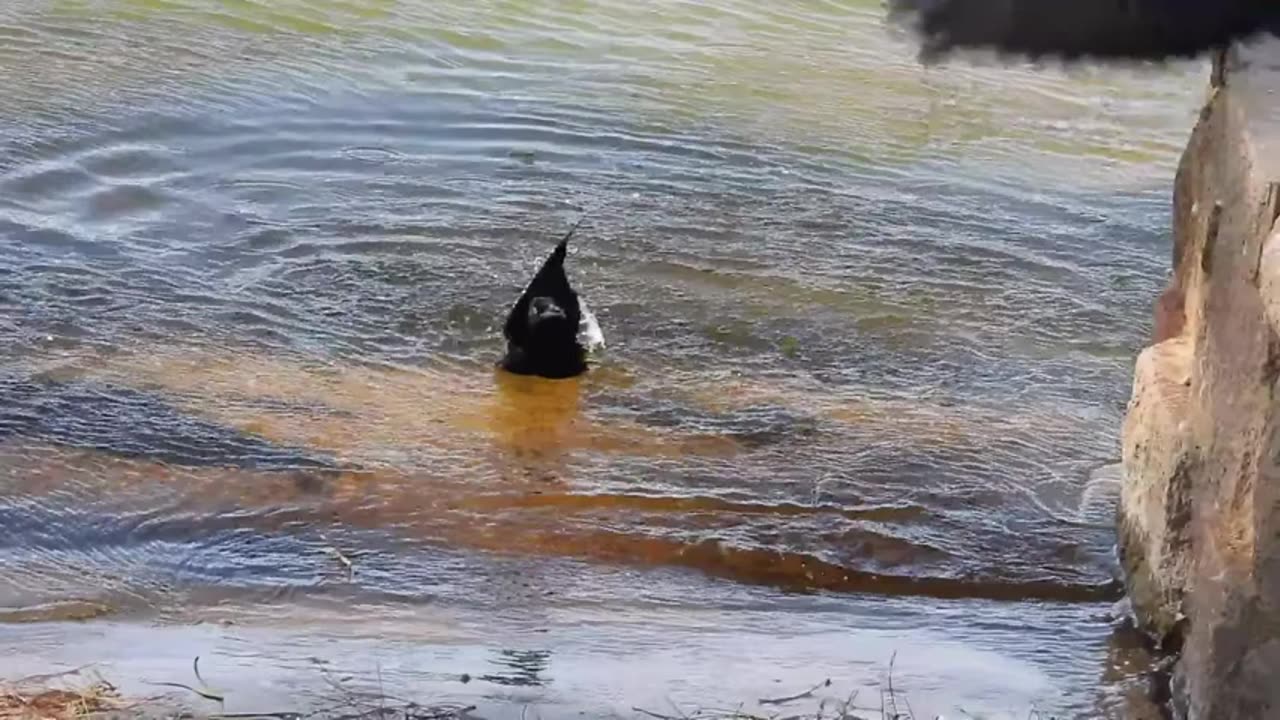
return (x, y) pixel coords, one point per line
(555, 352)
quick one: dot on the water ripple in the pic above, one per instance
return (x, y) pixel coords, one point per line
(870, 325)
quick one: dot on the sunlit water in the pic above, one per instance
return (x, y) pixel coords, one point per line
(869, 336)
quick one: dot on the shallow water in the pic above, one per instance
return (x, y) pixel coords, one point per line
(869, 336)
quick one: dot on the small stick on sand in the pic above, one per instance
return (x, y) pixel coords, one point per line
(657, 716)
(800, 696)
(206, 693)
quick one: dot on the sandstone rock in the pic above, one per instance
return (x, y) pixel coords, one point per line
(1199, 521)
(1156, 494)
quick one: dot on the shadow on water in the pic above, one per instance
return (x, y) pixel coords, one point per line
(520, 667)
(137, 425)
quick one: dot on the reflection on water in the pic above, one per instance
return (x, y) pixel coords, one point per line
(870, 333)
(519, 667)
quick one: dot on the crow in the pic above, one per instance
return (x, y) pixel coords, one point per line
(542, 329)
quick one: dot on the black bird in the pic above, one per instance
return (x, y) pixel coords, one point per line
(542, 329)
(1108, 30)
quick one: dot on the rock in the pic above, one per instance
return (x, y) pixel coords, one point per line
(1199, 521)
(1156, 492)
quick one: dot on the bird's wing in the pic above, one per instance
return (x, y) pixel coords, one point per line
(590, 336)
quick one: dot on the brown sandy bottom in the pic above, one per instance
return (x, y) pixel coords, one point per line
(491, 467)
(500, 463)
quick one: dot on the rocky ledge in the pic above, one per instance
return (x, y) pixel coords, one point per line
(1199, 517)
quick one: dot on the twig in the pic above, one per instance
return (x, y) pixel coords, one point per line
(382, 692)
(800, 696)
(206, 695)
(843, 708)
(658, 716)
(893, 700)
(360, 700)
(195, 669)
(737, 714)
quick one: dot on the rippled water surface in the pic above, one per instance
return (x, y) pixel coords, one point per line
(869, 336)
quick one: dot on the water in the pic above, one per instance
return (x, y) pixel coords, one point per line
(870, 329)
